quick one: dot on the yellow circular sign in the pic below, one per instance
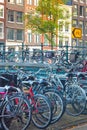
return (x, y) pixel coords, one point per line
(76, 33)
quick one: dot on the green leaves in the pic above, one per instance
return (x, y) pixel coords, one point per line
(45, 18)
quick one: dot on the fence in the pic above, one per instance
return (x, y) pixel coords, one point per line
(24, 53)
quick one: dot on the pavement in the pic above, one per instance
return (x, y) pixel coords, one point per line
(79, 127)
(66, 123)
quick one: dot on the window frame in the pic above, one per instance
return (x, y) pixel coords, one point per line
(18, 35)
(19, 18)
(81, 25)
(81, 11)
(10, 34)
(10, 16)
(37, 38)
(75, 10)
(19, 2)
(29, 2)
(36, 2)
(86, 28)
(2, 12)
(66, 27)
(2, 28)
(61, 25)
(74, 23)
(86, 11)
(29, 37)
(66, 41)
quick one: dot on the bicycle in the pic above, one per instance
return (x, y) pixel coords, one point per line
(15, 110)
(40, 104)
(69, 88)
(74, 95)
(41, 86)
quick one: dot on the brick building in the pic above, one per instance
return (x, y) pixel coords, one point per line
(12, 26)
(79, 19)
(14, 23)
(2, 23)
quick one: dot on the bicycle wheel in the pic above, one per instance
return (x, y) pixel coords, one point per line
(75, 100)
(16, 113)
(41, 113)
(83, 84)
(57, 104)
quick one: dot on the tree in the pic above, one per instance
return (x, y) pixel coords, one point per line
(44, 19)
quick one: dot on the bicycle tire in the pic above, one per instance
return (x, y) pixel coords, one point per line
(16, 115)
(57, 103)
(75, 100)
(42, 113)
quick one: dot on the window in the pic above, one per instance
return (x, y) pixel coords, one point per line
(60, 42)
(29, 2)
(19, 17)
(1, 1)
(76, 0)
(10, 34)
(81, 25)
(86, 11)
(85, 28)
(66, 41)
(75, 10)
(37, 39)
(81, 13)
(60, 26)
(29, 37)
(74, 23)
(36, 2)
(11, 1)
(20, 35)
(82, 1)
(10, 15)
(67, 14)
(1, 11)
(66, 27)
(19, 2)
(1, 30)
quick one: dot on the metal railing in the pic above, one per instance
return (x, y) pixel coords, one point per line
(24, 53)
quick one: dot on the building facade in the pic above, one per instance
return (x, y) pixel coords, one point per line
(79, 20)
(2, 23)
(65, 31)
(14, 24)
(31, 39)
(14, 33)
(64, 35)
